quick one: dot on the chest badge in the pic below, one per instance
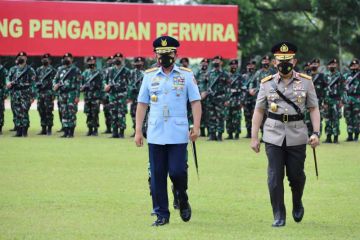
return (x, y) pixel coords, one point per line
(154, 98)
(273, 107)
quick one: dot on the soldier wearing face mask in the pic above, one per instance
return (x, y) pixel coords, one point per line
(234, 101)
(3, 94)
(216, 90)
(249, 100)
(116, 84)
(202, 77)
(45, 94)
(91, 85)
(105, 96)
(318, 79)
(136, 77)
(352, 101)
(67, 84)
(333, 102)
(21, 83)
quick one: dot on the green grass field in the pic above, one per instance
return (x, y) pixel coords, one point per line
(96, 188)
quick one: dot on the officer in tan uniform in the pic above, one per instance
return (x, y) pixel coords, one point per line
(286, 95)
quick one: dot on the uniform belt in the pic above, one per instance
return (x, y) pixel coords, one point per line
(172, 113)
(285, 117)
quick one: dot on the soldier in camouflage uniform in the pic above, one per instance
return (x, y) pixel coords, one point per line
(202, 78)
(91, 85)
(249, 100)
(333, 102)
(217, 88)
(21, 81)
(105, 96)
(45, 94)
(306, 68)
(3, 94)
(136, 77)
(319, 84)
(352, 101)
(235, 100)
(116, 84)
(67, 83)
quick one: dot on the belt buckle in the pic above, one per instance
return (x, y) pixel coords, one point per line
(285, 118)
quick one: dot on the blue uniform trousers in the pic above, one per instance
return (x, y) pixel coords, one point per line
(167, 159)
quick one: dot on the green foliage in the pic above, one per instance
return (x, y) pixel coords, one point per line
(96, 188)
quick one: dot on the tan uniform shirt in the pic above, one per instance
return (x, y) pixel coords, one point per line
(300, 90)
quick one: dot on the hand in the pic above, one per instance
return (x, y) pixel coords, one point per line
(77, 100)
(341, 104)
(255, 144)
(194, 133)
(325, 106)
(107, 88)
(314, 141)
(56, 87)
(9, 85)
(226, 104)
(252, 91)
(32, 100)
(203, 95)
(139, 139)
(128, 101)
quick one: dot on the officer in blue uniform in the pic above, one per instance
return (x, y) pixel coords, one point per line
(167, 89)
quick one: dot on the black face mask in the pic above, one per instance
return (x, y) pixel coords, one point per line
(66, 62)
(166, 60)
(20, 61)
(117, 62)
(354, 71)
(266, 65)
(285, 67)
(216, 65)
(332, 69)
(91, 65)
(138, 67)
(251, 69)
(314, 69)
(232, 70)
(204, 67)
(45, 62)
(109, 64)
(308, 72)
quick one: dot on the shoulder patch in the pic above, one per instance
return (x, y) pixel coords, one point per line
(151, 69)
(305, 76)
(185, 69)
(265, 79)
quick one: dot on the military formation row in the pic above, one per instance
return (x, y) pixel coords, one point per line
(225, 95)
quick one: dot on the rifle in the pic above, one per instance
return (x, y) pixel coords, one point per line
(16, 81)
(112, 83)
(40, 84)
(87, 84)
(209, 90)
(332, 83)
(61, 82)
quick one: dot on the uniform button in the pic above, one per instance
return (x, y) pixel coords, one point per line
(286, 109)
(285, 89)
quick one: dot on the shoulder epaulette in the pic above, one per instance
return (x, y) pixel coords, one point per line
(265, 79)
(151, 69)
(186, 69)
(305, 76)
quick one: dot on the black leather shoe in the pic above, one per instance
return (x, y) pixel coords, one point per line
(230, 136)
(278, 223)
(237, 135)
(219, 137)
(212, 137)
(298, 214)
(90, 132)
(43, 131)
(66, 133)
(95, 132)
(185, 211)
(350, 137)
(160, 221)
(336, 139)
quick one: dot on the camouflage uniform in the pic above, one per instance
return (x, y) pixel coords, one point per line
(92, 85)
(334, 95)
(22, 93)
(248, 101)
(352, 104)
(10, 93)
(68, 77)
(3, 94)
(118, 80)
(219, 83)
(202, 79)
(45, 97)
(105, 100)
(136, 77)
(235, 100)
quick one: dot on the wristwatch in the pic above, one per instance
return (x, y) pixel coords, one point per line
(317, 134)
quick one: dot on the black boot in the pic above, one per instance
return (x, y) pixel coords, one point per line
(248, 134)
(336, 139)
(237, 136)
(49, 130)
(43, 131)
(0, 130)
(350, 137)
(230, 136)
(115, 133)
(356, 138)
(121, 134)
(219, 137)
(90, 132)
(328, 139)
(108, 129)
(18, 132)
(66, 132)
(25, 131)
(202, 132)
(71, 132)
(95, 131)
(212, 137)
